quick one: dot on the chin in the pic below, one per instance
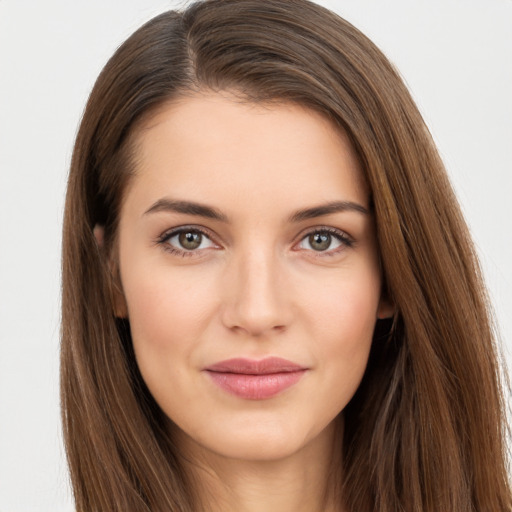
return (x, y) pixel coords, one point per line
(258, 441)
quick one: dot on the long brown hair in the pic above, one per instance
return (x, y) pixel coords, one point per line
(426, 430)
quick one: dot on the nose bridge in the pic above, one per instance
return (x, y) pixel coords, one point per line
(256, 301)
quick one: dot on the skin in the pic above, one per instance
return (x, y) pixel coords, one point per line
(256, 286)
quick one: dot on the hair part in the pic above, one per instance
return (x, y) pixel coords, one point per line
(426, 429)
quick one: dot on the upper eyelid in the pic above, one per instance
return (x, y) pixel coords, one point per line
(163, 240)
(169, 233)
(346, 242)
(329, 229)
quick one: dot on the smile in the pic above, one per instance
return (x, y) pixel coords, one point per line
(255, 380)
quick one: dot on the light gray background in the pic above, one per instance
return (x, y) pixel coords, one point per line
(455, 55)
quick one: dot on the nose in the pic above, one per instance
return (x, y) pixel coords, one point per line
(257, 301)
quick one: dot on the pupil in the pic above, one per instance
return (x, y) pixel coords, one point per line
(190, 240)
(320, 241)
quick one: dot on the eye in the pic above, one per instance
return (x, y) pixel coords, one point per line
(325, 240)
(185, 240)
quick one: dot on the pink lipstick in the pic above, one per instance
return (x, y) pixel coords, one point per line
(255, 380)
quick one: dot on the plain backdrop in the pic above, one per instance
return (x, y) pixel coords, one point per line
(456, 57)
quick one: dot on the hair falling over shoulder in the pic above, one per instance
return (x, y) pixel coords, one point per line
(426, 430)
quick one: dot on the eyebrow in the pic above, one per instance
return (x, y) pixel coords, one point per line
(202, 210)
(187, 207)
(328, 209)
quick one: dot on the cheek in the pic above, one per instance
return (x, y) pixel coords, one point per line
(346, 304)
(167, 312)
(342, 321)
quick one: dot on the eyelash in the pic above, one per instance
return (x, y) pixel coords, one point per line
(343, 238)
(165, 237)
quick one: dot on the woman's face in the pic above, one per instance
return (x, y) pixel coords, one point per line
(250, 273)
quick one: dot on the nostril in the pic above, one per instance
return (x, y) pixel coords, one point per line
(255, 301)
(255, 331)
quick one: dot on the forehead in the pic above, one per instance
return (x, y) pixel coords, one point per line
(215, 146)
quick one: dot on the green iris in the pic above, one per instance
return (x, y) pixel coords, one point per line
(320, 241)
(190, 240)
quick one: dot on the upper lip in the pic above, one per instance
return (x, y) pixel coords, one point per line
(255, 367)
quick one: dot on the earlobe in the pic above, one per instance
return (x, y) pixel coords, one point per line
(117, 296)
(386, 309)
(120, 307)
(99, 233)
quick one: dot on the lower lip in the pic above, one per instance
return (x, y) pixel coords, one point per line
(256, 387)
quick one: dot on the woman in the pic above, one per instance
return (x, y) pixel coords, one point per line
(270, 298)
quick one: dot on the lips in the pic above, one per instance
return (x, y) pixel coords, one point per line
(253, 379)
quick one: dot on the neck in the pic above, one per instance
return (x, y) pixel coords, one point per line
(305, 481)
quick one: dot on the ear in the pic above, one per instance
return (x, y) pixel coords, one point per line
(386, 308)
(116, 292)
(99, 234)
